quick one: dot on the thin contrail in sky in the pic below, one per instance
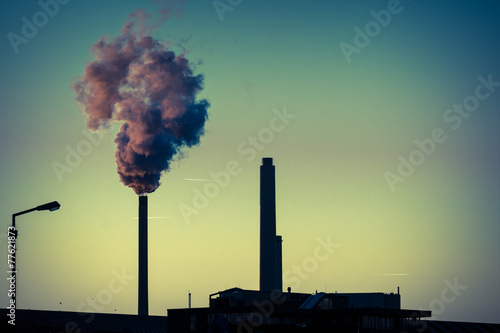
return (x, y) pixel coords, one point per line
(198, 180)
(394, 274)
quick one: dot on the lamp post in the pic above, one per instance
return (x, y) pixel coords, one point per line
(12, 236)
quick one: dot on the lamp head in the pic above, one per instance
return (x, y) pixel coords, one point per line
(51, 206)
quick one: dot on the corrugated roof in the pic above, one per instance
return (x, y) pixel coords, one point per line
(312, 301)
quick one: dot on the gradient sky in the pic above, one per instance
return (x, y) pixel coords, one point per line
(353, 120)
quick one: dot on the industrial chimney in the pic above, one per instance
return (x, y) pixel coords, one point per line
(279, 264)
(270, 244)
(143, 256)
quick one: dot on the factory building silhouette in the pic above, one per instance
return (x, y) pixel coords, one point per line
(269, 309)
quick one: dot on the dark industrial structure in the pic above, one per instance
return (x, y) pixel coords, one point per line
(267, 310)
(143, 303)
(271, 310)
(40, 321)
(270, 244)
(238, 310)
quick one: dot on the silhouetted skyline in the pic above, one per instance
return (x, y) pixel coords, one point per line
(338, 94)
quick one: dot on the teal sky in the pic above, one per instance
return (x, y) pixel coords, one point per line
(352, 120)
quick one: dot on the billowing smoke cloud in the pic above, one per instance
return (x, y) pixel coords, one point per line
(137, 80)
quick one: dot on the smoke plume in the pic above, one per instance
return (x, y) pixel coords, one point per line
(136, 80)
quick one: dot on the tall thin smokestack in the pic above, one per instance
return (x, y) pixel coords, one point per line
(143, 256)
(269, 270)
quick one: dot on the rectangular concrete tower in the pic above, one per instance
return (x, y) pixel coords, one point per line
(270, 255)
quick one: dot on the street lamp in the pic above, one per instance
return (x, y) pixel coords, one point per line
(12, 236)
(51, 206)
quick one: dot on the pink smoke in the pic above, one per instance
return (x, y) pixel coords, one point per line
(138, 81)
